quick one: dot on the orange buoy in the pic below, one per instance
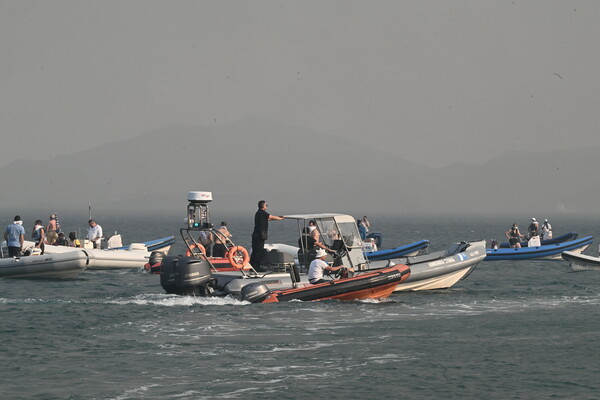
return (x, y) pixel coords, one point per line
(188, 253)
(238, 257)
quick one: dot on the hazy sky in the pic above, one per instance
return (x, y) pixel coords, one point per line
(432, 81)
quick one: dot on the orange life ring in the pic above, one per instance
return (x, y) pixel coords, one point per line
(234, 254)
(188, 253)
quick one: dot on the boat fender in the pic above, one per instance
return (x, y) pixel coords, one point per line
(255, 292)
(192, 246)
(238, 257)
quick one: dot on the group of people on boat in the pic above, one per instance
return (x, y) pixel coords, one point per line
(215, 244)
(310, 240)
(515, 236)
(48, 234)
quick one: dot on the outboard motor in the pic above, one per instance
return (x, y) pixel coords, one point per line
(186, 276)
(155, 261)
(255, 292)
(167, 274)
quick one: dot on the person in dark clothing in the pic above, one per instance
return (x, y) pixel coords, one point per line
(514, 236)
(260, 233)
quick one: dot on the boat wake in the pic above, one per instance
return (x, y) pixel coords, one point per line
(167, 300)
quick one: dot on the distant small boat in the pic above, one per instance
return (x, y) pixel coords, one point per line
(567, 237)
(411, 249)
(48, 266)
(548, 252)
(581, 262)
(132, 256)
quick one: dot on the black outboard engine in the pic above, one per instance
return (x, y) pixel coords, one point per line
(186, 276)
(154, 262)
(255, 292)
(156, 257)
(167, 274)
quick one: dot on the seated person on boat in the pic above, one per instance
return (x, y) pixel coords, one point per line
(318, 267)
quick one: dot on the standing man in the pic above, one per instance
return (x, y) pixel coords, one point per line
(95, 234)
(260, 233)
(52, 230)
(14, 236)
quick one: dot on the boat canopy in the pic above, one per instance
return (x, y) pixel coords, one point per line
(338, 231)
(316, 216)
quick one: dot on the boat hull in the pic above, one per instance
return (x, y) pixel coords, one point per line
(48, 266)
(441, 269)
(370, 285)
(120, 258)
(567, 237)
(117, 259)
(581, 262)
(438, 270)
(547, 252)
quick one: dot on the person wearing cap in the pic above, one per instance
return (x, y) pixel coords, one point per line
(514, 236)
(533, 228)
(260, 233)
(319, 266)
(15, 236)
(546, 230)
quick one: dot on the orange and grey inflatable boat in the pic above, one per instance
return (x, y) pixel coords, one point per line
(375, 284)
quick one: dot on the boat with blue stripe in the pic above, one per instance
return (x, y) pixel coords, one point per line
(545, 252)
(162, 244)
(411, 249)
(567, 237)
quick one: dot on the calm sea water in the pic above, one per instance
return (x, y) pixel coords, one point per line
(520, 330)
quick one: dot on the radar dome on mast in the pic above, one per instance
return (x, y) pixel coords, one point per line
(198, 215)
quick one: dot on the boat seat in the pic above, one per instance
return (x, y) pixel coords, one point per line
(457, 248)
(277, 260)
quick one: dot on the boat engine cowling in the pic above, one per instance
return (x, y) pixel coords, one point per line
(186, 276)
(255, 292)
(167, 274)
(156, 257)
(191, 271)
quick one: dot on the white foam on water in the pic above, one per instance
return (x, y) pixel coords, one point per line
(178, 301)
(390, 358)
(185, 394)
(128, 394)
(304, 347)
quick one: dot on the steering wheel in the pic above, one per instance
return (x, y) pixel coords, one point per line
(340, 272)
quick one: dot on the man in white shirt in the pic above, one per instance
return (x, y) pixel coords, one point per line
(95, 234)
(318, 266)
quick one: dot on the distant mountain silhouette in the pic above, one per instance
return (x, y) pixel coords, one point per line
(297, 170)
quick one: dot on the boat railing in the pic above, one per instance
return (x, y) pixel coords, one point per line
(194, 248)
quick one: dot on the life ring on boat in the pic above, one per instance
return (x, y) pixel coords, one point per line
(235, 253)
(188, 253)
